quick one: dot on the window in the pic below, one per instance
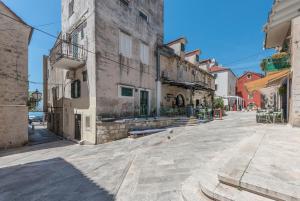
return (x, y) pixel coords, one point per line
(250, 96)
(216, 87)
(82, 33)
(71, 8)
(75, 89)
(55, 93)
(249, 76)
(182, 47)
(144, 53)
(215, 76)
(126, 91)
(197, 58)
(87, 122)
(84, 76)
(125, 45)
(124, 3)
(143, 16)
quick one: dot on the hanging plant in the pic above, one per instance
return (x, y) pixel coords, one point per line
(279, 55)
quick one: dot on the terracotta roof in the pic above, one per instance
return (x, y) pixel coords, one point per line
(177, 41)
(195, 52)
(252, 73)
(217, 69)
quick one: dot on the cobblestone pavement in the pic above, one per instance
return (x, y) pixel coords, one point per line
(151, 168)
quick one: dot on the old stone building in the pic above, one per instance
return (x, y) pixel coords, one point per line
(184, 83)
(13, 78)
(103, 65)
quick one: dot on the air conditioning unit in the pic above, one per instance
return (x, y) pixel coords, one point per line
(70, 75)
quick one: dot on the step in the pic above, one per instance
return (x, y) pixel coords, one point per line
(205, 186)
(236, 172)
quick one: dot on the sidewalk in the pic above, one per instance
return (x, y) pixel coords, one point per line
(266, 166)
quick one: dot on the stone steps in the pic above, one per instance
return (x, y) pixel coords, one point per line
(186, 122)
(227, 179)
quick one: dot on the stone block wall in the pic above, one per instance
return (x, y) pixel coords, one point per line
(13, 79)
(111, 131)
(13, 126)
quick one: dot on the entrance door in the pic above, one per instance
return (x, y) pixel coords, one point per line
(144, 103)
(78, 126)
(75, 45)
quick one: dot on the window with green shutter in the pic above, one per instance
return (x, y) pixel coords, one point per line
(126, 91)
(75, 89)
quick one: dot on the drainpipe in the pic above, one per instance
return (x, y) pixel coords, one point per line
(158, 82)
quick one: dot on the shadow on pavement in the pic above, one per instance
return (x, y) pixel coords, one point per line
(61, 143)
(49, 180)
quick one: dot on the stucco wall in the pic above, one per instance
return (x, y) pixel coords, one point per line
(295, 92)
(13, 81)
(64, 108)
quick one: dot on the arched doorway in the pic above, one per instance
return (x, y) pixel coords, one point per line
(180, 102)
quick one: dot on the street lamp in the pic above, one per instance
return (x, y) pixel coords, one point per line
(37, 96)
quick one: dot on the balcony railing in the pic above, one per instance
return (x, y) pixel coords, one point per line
(277, 62)
(67, 55)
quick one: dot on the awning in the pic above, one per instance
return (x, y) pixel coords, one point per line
(279, 22)
(266, 81)
(188, 85)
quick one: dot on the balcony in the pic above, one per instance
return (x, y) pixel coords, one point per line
(68, 56)
(276, 62)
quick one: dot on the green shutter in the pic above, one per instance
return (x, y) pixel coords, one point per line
(78, 89)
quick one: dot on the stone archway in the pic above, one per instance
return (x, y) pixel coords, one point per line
(180, 101)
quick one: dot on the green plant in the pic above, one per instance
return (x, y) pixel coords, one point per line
(279, 55)
(218, 103)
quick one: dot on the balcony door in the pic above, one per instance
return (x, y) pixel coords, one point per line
(75, 45)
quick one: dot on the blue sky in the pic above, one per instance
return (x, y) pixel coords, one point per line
(228, 30)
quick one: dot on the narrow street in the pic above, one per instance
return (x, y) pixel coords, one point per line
(149, 168)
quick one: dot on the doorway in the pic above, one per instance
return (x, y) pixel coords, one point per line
(75, 45)
(144, 103)
(78, 127)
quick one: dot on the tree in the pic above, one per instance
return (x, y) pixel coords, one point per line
(218, 103)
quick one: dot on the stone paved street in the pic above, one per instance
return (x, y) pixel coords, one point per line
(150, 168)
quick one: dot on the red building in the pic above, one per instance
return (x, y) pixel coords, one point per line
(252, 100)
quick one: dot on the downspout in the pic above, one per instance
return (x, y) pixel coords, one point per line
(158, 82)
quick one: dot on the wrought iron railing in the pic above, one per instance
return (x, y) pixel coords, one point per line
(64, 49)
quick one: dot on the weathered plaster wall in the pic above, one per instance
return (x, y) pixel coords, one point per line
(13, 81)
(114, 70)
(295, 92)
(65, 108)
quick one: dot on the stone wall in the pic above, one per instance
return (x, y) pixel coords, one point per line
(111, 131)
(114, 70)
(295, 92)
(13, 126)
(13, 79)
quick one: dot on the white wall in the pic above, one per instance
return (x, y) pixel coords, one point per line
(222, 82)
